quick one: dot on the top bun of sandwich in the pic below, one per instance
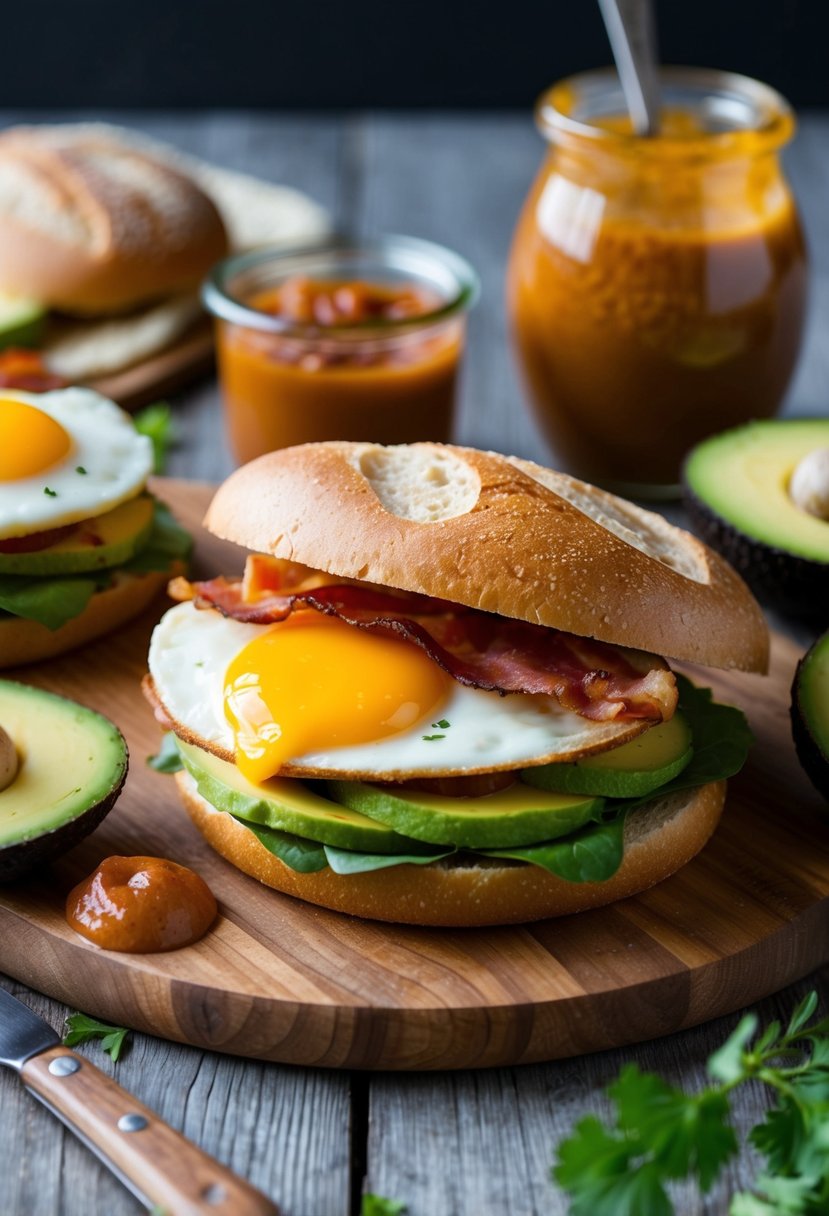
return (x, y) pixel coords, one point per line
(500, 534)
(91, 225)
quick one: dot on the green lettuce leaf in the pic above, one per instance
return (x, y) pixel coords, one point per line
(49, 601)
(593, 854)
(168, 758)
(304, 856)
(721, 737)
(348, 861)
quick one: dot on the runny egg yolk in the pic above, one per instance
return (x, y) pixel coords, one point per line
(30, 440)
(312, 683)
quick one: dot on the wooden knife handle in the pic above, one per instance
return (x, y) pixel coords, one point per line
(151, 1157)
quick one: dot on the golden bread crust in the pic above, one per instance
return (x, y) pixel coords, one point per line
(498, 534)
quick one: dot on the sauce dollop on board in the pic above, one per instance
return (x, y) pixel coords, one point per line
(141, 905)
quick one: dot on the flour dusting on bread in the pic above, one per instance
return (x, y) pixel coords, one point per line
(422, 482)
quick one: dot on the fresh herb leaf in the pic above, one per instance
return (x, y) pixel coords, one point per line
(378, 1205)
(592, 854)
(443, 724)
(155, 421)
(661, 1134)
(51, 493)
(168, 758)
(80, 1029)
(726, 1064)
(80, 469)
(429, 738)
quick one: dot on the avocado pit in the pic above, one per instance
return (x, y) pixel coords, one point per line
(8, 760)
(809, 486)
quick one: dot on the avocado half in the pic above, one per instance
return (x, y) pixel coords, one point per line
(736, 491)
(71, 766)
(810, 714)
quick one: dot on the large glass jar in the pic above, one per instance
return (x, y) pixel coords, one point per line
(657, 286)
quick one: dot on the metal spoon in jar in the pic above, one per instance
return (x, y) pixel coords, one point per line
(631, 28)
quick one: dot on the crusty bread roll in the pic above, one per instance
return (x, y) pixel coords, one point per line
(500, 534)
(24, 641)
(659, 839)
(91, 225)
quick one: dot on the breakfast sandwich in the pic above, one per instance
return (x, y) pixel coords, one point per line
(437, 695)
(83, 545)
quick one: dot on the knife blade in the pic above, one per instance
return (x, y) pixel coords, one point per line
(22, 1033)
(154, 1161)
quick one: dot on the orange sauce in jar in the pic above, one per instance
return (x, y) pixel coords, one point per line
(657, 291)
(141, 905)
(353, 377)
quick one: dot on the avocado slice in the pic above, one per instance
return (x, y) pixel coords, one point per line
(22, 321)
(288, 805)
(736, 491)
(72, 763)
(630, 771)
(97, 544)
(810, 714)
(517, 815)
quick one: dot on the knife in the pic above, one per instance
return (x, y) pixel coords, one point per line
(161, 1168)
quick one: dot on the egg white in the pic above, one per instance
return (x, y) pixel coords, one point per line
(116, 459)
(192, 648)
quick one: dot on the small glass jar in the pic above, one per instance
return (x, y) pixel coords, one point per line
(296, 372)
(656, 286)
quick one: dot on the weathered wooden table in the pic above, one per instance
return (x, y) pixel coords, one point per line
(464, 1144)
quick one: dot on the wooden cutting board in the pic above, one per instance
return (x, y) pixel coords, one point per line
(282, 980)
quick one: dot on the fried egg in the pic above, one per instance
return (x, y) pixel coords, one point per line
(313, 696)
(65, 456)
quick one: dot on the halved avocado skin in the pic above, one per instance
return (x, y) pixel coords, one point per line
(810, 732)
(789, 582)
(47, 714)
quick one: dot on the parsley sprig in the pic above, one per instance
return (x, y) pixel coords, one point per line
(379, 1205)
(661, 1134)
(80, 1029)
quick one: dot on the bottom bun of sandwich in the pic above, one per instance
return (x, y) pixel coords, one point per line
(660, 838)
(26, 641)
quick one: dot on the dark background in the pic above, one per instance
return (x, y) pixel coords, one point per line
(314, 54)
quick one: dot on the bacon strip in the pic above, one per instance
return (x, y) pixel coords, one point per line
(594, 679)
(25, 369)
